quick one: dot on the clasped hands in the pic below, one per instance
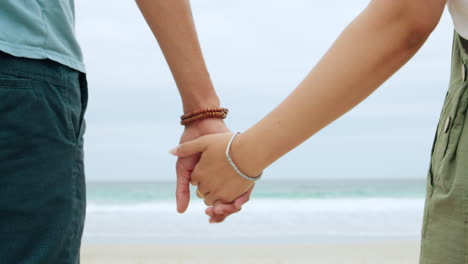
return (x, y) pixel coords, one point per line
(202, 163)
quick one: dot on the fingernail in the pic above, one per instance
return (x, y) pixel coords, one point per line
(219, 211)
(173, 151)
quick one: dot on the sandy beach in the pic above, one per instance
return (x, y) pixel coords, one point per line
(394, 252)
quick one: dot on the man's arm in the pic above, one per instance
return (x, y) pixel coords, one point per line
(172, 23)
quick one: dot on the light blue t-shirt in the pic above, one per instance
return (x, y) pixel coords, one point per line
(40, 29)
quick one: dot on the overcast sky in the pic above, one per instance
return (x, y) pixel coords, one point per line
(257, 52)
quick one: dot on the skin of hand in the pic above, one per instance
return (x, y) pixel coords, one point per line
(219, 211)
(218, 183)
(185, 165)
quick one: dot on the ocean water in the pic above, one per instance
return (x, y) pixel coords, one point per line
(279, 212)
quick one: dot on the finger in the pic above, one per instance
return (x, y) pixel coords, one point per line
(200, 194)
(194, 183)
(241, 200)
(209, 211)
(210, 199)
(202, 190)
(182, 187)
(217, 202)
(217, 219)
(235, 207)
(224, 209)
(214, 218)
(189, 148)
(195, 178)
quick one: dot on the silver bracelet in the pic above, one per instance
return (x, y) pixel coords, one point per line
(234, 165)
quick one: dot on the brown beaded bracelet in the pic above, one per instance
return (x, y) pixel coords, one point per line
(198, 112)
(203, 114)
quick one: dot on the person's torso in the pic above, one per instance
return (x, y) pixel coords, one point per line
(40, 29)
(459, 11)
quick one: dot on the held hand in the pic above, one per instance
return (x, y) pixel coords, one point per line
(185, 165)
(216, 180)
(218, 212)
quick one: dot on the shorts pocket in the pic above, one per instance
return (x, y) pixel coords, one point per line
(13, 82)
(73, 99)
(35, 158)
(449, 129)
(456, 127)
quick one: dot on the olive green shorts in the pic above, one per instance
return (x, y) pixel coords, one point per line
(445, 226)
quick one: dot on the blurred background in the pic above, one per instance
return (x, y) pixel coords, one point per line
(360, 179)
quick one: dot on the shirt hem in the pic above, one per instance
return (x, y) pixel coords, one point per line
(38, 53)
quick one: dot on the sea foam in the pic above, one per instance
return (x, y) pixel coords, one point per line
(293, 220)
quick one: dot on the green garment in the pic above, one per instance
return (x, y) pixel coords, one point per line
(445, 227)
(42, 186)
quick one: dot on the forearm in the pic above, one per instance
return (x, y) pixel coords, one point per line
(366, 54)
(172, 24)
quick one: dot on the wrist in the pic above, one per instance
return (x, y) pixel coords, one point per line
(205, 127)
(196, 103)
(246, 154)
(199, 96)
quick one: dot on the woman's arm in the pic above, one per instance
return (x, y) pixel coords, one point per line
(370, 50)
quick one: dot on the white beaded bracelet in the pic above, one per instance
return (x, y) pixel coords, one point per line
(234, 165)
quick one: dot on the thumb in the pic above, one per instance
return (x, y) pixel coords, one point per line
(189, 148)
